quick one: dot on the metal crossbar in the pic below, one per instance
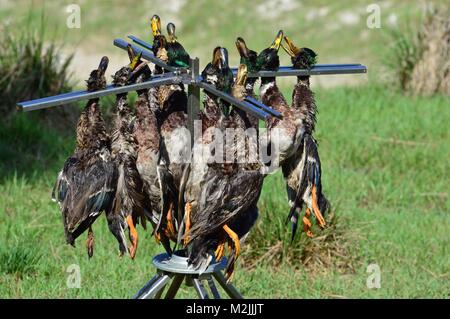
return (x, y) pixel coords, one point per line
(46, 102)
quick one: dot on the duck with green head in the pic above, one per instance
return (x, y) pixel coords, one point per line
(171, 103)
(249, 59)
(220, 193)
(176, 53)
(284, 134)
(302, 171)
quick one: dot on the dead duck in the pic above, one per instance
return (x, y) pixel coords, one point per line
(171, 103)
(249, 59)
(303, 171)
(249, 175)
(177, 55)
(130, 202)
(148, 137)
(286, 133)
(218, 193)
(86, 185)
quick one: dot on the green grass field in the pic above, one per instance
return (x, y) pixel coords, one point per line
(385, 170)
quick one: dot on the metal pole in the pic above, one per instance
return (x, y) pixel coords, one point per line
(156, 287)
(193, 97)
(229, 288)
(174, 287)
(201, 291)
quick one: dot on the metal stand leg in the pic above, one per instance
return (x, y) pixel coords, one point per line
(229, 288)
(201, 291)
(213, 288)
(155, 288)
(147, 286)
(173, 289)
(175, 267)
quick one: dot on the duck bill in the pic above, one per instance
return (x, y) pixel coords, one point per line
(171, 32)
(135, 61)
(242, 47)
(223, 58)
(156, 25)
(130, 52)
(277, 42)
(241, 76)
(103, 65)
(290, 48)
(138, 70)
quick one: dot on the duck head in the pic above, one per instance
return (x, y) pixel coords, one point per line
(302, 58)
(155, 23)
(218, 74)
(130, 73)
(217, 71)
(160, 48)
(248, 57)
(268, 59)
(171, 32)
(238, 90)
(97, 79)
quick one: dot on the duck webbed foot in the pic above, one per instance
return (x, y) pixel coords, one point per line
(315, 207)
(307, 223)
(90, 242)
(220, 251)
(187, 222)
(235, 249)
(133, 236)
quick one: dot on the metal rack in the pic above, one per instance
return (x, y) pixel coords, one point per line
(176, 267)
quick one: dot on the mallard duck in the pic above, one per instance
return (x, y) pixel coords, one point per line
(171, 103)
(286, 133)
(249, 59)
(303, 170)
(218, 193)
(148, 137)
(176, 53)
(130, 201)
(86, 185)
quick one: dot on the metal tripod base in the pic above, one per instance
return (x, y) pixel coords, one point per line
(175, 268)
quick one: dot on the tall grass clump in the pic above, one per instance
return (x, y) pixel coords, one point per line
(420, 55)
(18, 259)
(30, 67)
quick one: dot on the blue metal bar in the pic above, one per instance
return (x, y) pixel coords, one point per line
(247, 107)
(263, 107)
(147, 55)
(71, 97)
(140, 42)
(319, 69)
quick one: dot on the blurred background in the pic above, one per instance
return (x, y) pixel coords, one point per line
(384, 144)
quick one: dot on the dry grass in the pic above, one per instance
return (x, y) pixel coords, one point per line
(328, 249)
(420, 56)
(432, 72)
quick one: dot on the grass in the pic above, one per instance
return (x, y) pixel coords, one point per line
(385, 172)
(30, 68)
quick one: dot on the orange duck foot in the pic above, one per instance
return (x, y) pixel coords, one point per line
(187, 216)
(90, 243)
(316, 209)
(133, 236)
(307, 223)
